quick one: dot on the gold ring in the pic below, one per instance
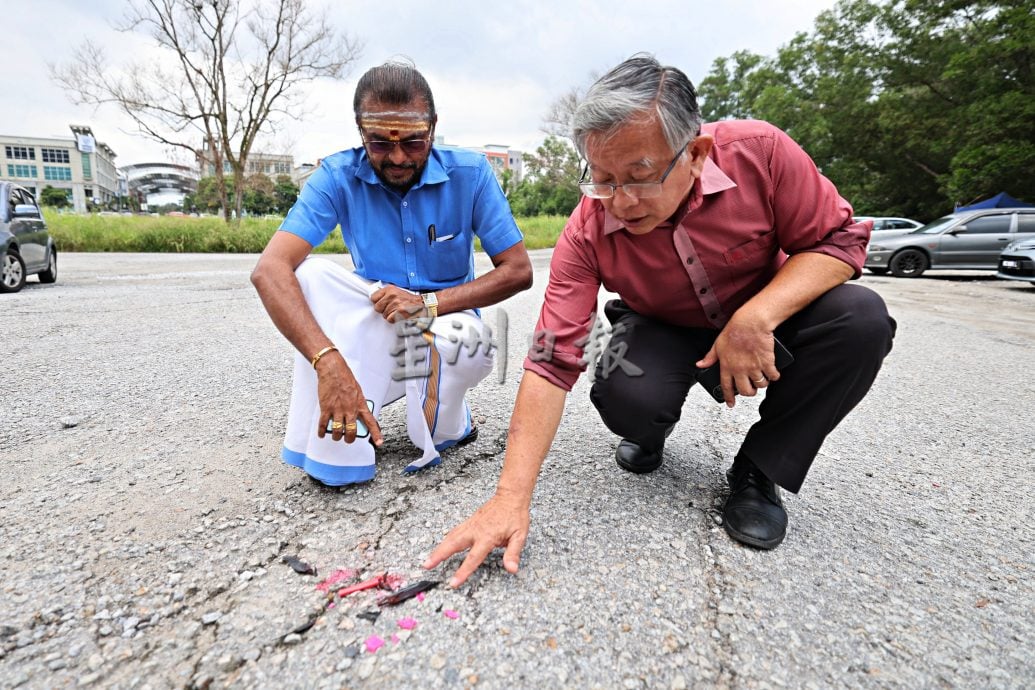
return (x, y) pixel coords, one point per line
(336, 425)
(351, 426)
(761, 380)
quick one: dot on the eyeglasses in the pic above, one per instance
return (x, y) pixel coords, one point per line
(411, 146)
(638, 190)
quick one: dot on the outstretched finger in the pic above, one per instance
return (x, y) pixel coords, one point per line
(372, 426)
(512, 556)
(454, 543)
(475, 557)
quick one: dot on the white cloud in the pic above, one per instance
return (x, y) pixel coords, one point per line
(494, 67)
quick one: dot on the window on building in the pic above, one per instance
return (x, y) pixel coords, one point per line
(87, 171)
(54, 155)
(57, 172)
(21, 170)
(20, 153)
(88, 192)
(282, 169)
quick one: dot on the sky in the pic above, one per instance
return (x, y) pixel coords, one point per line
(494, 68)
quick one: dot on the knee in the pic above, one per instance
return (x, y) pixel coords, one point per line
(629, 405)
(863, 319)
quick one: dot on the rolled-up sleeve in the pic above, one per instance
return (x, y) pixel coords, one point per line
(808, 213)
(568, 309)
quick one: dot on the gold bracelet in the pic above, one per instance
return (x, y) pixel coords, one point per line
(321, 353)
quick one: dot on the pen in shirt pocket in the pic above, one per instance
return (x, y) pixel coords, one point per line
(434, 237)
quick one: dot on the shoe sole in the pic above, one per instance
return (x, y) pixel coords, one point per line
(765, 544)
(638, 469)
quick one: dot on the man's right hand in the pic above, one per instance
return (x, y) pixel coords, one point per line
(342, 400)
(502, 521)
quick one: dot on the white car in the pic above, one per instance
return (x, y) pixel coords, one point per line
(884, 226)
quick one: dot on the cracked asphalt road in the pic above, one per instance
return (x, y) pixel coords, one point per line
(145, 514)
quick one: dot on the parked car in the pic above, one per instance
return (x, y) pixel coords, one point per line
(1017, 262)
(26, 248)
(961, 241)
(885, 225)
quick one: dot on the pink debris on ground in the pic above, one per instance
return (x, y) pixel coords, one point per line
(374, 643)
(377, 581)
(420, 596)
(407, 623)
(395, 639)
(330, 605)
(450, 613)
(392, 582)
(334, 578)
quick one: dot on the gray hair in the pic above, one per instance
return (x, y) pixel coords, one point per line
(640, 87)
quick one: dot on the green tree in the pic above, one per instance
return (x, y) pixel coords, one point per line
(907, 106)
(285, 193)
(58, 198)
(258, 195)
(549, 185)
(207, 197)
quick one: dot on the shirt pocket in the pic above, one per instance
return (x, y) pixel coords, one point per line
(755, 251)
(449, 260)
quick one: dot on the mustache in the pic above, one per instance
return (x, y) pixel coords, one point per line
(404, 166)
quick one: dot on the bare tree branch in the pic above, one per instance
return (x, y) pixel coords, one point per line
(226, 71)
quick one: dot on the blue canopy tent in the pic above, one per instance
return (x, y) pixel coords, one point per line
(1000, 200)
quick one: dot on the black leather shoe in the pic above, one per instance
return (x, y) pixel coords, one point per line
(631, 457)
(753, 513)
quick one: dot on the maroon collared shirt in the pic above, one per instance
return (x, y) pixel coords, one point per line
(759, 199)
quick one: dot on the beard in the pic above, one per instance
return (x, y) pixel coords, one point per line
(399, 177)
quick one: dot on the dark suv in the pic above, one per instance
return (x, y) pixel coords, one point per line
(26, 248)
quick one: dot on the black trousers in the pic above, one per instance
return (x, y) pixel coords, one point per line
(838, 342)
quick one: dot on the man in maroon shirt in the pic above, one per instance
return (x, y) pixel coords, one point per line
(718, 239)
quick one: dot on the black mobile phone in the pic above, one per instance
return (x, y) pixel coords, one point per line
(709, 378)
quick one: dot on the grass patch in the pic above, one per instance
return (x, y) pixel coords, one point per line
(94, 233)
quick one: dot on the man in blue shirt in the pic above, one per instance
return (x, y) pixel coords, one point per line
(408, 213)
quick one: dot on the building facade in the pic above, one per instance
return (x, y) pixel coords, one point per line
(157, 184)
(269, 164)
(80, 165)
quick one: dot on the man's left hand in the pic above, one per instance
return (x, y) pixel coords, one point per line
(396, 304)
(746, 357)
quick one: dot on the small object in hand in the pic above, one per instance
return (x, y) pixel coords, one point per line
(407, 593)
(299, 566)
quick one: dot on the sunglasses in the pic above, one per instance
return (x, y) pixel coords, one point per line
(411, 146)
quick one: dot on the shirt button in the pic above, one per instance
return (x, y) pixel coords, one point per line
(689, 260)
(412, 274)
(406, 203)
(704, 290)
(714, 316)
(409, 239)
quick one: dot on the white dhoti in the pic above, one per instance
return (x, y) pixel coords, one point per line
(432, 370)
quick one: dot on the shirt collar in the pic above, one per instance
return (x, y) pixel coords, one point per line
(434, 171)
(712, 181)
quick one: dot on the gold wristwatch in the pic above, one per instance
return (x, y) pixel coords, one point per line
(430, 303)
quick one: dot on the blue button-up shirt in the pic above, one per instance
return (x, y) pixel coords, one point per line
(423, 240)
